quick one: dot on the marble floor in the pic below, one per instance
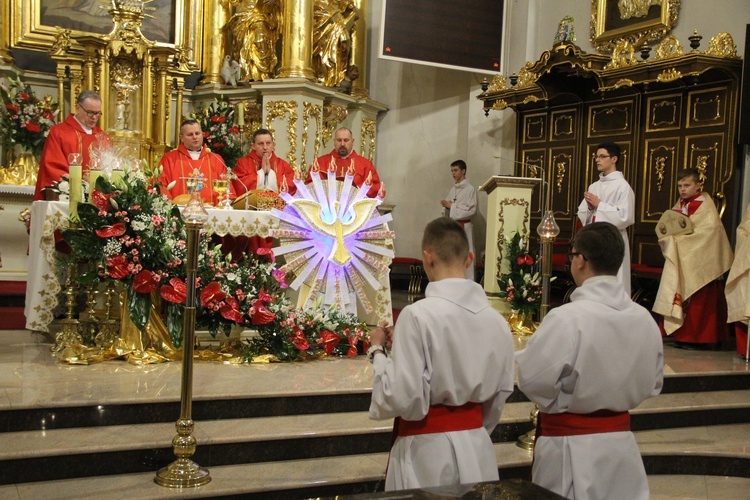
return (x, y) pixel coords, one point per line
(30, 377)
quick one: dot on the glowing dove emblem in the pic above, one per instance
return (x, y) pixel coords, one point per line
(337, 229)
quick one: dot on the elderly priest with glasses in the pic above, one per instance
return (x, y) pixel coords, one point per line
(77, 134)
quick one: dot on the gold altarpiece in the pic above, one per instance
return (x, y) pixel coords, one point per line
(142, 81)
(668, 110)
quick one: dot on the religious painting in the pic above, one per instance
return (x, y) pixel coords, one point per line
(37, 20)
(638, 21)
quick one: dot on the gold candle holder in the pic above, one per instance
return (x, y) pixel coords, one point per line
(69, 334)
(183, 472)
(108, 327)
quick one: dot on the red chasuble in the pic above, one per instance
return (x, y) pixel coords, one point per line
(362, 168)
(64, 138)
(178, 166)
(247, 168)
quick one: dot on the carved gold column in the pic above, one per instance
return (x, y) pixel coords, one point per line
(178, 109)
(5, 54)
(214, 40)
(163, 94)
(359, 50)
(296, 51)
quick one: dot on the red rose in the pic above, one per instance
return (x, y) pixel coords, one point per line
(529, 260)
(175, 292)
(234, 130)
(115, 230)
(117, 266)
(520, 260)
(13, 108)
(222, 119)
(145, 281)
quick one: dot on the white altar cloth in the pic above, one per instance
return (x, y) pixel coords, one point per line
(43, 285)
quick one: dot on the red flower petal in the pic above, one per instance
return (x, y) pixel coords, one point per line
(529, 260)
(351, 352)
(145, 281)
(520, 260)
(100, 200)
(231, 310)
(115, 230)
(329, 340)
(262, 315)
(212, 293)
(299, 340)
(171, 294)
(117, 266)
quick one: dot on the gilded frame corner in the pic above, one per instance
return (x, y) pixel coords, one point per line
(30, 29)
(613, 20)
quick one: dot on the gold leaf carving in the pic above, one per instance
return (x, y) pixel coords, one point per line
(277, 109)
(669, 75)
(722, 45)
(499, 105)
(368, 138)
(498, 83)
(315, 112)
(668, 48)
(623, 56)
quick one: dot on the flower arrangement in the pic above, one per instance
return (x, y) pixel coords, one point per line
(521, 287)
(220, 133)
(132, 234)
(25, 120)
(296, 334)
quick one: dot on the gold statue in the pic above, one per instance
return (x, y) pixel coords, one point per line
(255, 29)
(332, 39)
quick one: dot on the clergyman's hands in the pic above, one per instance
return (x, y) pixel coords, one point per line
(265, 163)
(592, 200)
(446, 203)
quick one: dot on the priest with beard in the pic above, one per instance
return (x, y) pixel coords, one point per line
(343, 157)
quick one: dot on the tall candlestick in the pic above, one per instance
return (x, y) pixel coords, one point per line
(76, 188)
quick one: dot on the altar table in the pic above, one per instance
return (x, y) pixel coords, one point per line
(44, 285)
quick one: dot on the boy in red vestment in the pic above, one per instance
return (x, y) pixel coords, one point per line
(261, 168)
(691, 291)
(343, 156)
(191, 155)
(77, 134)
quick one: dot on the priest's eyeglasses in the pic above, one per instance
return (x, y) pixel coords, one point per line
(91, 114)
(601, 157)
(572, 255)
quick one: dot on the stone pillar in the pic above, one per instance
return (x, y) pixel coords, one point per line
(297, 40)
(215, 14)
(359, 50)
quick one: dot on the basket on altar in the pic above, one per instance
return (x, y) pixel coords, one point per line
(259, 199)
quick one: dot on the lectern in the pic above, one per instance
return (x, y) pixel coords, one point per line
(508, 211)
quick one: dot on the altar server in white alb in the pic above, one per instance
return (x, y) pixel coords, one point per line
(610, 199)
(588, 363)
(461, 205)
(449, 374)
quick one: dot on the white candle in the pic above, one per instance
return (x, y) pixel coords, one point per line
(76, 188)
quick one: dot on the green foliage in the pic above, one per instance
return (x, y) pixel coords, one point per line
(521, 287)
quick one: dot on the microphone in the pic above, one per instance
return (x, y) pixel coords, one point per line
(232, 176)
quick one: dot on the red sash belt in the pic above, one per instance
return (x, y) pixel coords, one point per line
(442, 418)
(463, 222)
(574, 424)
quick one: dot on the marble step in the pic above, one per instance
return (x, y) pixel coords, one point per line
(75, 452)
(327, 476)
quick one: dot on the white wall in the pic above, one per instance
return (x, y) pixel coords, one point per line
(435, 118)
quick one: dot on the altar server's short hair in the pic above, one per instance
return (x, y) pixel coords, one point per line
(446, 239)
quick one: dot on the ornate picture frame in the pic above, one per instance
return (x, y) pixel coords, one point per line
(34, 24)
(637, 21)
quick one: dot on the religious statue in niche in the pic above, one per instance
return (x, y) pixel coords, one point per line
(254, 31)
(333, 22)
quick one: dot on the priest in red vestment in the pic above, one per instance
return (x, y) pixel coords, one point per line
(691, 291)
(343, 156)
(189, 157)
(77, 134)
(261, 168)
